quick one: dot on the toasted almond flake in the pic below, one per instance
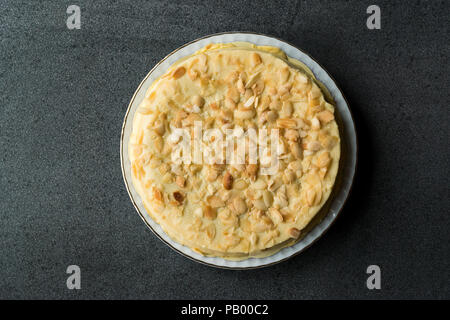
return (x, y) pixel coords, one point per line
(262, 224)
(292, 135)
(215, 202)
(255, 59)
(211, 231)
(179, 72)
(268, 198)
(244, 114)
(209, 212)
(323, 159)
(193, 74)
(157, 194)
(288, 176)
(233, 94)
(227, 180)
(310, 196)
(252, 80)
(275, 104)
(294, 233)
(240, 86)
(274, 184)
(271, 116)
(295, 149)
(276, 216)
(239, 206)
(198, 101)
(286, 109)
(259, 204)
(325, 116)
(313, 146)
(198, 212)
(180, 181)
(313, 102)
(287, 123)
(240, 184)
(253, 239)
(259, 184)
(231, 240)
(179, 197)
(249, 102)
(315, 124)
(258, 86)
(284, 74)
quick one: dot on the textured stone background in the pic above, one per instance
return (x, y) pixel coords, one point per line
(63, 95)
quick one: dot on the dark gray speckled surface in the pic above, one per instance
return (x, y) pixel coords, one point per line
(63, 95)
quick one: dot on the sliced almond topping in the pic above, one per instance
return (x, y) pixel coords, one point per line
(179, 72)
(292, 135)
(295, 149)
(180, 181)
(268, 198)
(244, 114)
(284, 74)
(294, 233)
(159, 127)
(193, 74)
(286, 109)
(209, 212)
(198, 101)
(227, 180)
(157, 194)
(271, 116)
(240, 185)
(275, 104)
(315, 124)
(215, 202)
(260, 204)
(323, 159)
(252, 80)
(264, 223)
(325, 116)
(240, 86)
(255, 59)
(310, 196)
(233, 94)
(274, 184)
(313, 146)
(288, 176)
(258, 87)
(179, 197)
(211, 231)
(287, 123)
(249, 102)
(275, 215)
(229, 103)
(239, 206)
(259, 184)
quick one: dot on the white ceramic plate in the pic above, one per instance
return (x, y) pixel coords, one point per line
(347, 165)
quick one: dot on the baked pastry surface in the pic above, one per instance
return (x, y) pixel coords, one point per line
(235, 210)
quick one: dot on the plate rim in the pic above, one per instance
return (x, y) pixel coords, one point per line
(324, 231)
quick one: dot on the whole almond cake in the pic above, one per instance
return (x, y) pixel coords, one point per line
(236, 210)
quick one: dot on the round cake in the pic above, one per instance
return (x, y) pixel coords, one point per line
(234, 150)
